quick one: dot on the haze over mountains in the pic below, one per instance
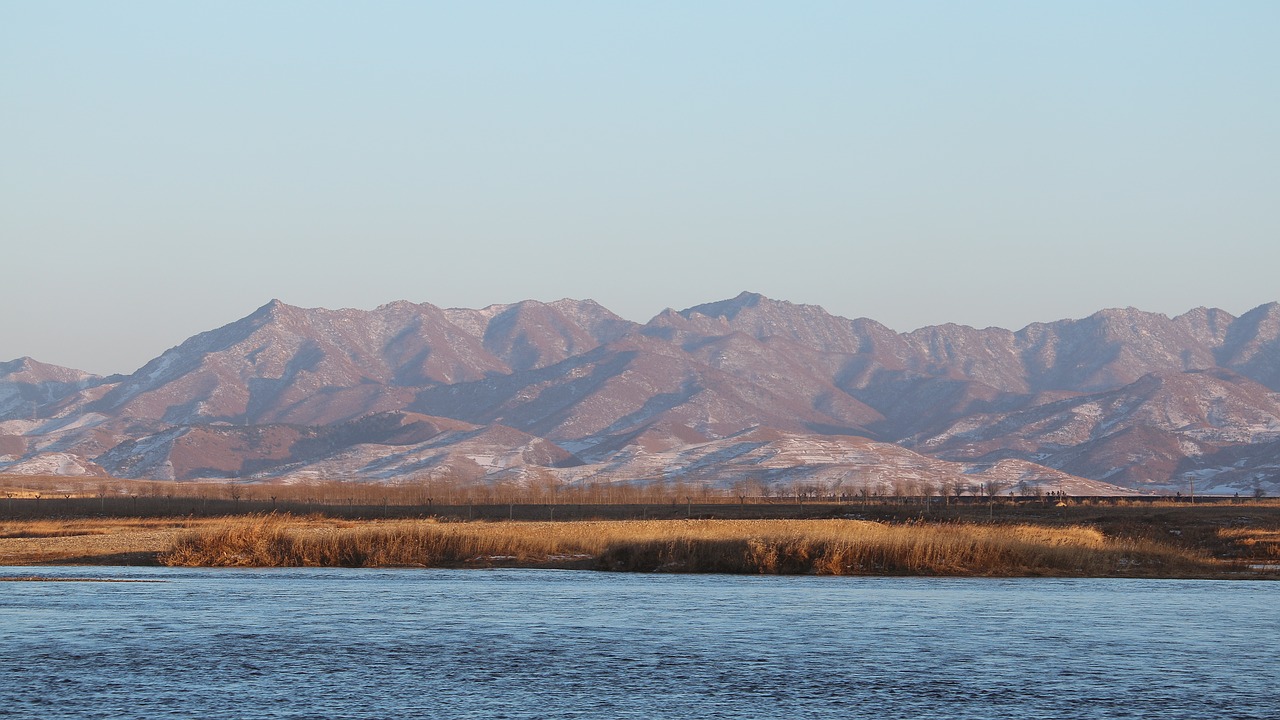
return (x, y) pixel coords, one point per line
(746, 389)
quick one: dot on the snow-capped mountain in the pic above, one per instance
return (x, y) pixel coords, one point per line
(569, 390)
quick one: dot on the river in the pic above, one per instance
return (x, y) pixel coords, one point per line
(322, 643)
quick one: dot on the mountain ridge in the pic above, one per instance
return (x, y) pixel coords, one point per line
(596, 388)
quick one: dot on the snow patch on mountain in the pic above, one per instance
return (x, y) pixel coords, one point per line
(51, 463)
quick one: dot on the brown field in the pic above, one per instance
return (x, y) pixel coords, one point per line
(814, 546)
(106, 541)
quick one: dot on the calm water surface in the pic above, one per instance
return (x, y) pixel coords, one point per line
(305, 643)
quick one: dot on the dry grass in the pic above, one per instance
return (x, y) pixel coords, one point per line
(1254, 543)
(122, 541)
(282, 541)
(12, 534)
(837, 547)
(867, 548)
(820, 546)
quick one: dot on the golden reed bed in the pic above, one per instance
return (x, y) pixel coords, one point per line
(833, 547)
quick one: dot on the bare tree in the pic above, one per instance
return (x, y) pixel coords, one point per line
(836, 485)
(946, 489)
(994, 486)
(899, 489)
(927, 491)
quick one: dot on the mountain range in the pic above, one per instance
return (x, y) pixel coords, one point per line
(752, 390)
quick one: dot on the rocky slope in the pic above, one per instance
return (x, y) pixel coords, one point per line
(569, 391)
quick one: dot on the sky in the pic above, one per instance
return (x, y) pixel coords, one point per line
(166, 168)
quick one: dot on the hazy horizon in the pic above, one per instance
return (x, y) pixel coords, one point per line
(167, 168)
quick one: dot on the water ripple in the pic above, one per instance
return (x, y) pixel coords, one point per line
(530, 644)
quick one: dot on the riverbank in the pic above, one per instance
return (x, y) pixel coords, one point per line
(1202, 546)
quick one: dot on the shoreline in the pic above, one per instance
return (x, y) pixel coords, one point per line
(1225, 576)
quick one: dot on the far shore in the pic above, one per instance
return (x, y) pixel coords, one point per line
(1225, 541)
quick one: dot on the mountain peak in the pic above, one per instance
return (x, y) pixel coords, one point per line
(1126, 313)
(272, 309)
(15, 365)
(574, 304)
(727, 309)
(31, 369)
(399, 305)
(1271, 309)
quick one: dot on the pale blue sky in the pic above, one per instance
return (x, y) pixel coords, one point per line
(168, 167)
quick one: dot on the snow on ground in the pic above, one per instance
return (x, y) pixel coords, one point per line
(74, 422)
(53, 464)
(19, 427)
